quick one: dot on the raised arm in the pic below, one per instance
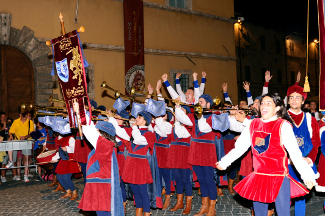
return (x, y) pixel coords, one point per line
(268, 77)
(249, 95)
(202, 85)
(178, 86)
(170, 89)
(225, 92)
(197, 92)
(163, 127)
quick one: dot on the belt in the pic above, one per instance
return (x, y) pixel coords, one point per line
(202, 141)
(137, 156)
(121, 153)
(78, 138)
(98, 180)
(180, 144)
(162, 145)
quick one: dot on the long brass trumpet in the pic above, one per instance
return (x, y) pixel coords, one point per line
(37, 113)
(117, 92)
(52, 99)
(111, 114)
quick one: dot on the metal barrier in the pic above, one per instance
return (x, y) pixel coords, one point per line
(16, 145)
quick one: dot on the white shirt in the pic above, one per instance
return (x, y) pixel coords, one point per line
(204, 127)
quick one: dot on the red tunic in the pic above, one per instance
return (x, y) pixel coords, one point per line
(202, 150)
(270, 164)
(162, 150)
(66, 166)
(178, 152)
(120, 150)
(97, 195)
(81, 150)
(136, 168)
(321, 165)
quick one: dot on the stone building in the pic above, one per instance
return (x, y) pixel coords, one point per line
(179, 36)
(282, 51)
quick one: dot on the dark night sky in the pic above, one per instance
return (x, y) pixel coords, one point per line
(280, 14)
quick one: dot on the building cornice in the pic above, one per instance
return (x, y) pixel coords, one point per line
(186, 11)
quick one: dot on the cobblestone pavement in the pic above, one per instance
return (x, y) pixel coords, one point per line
(35, 198)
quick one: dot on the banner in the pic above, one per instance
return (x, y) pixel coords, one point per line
(321, 26)
(134, 45)
(69, 63)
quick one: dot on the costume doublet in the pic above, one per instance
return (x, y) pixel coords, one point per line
(66, 166)
(137, 169)
(269, 140)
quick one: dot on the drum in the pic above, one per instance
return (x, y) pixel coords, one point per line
(45, 157)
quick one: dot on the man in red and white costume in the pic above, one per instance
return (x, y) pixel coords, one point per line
(270, 137)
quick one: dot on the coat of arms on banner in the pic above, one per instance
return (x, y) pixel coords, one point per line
(62, 70)
(135, 78)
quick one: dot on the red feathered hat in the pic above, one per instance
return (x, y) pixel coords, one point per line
(297, 89)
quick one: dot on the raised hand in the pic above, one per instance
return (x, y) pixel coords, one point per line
(150, 89)
(246, 86)
(225, 88)
(178, 75)
(268, 76)
(298, 77)
(164, 77)
(204, 74)
(158, 86)
(194, 76)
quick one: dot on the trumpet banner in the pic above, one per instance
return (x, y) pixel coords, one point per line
(70, 66)
(321, 25)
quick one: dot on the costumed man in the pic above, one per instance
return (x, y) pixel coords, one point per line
(203, 153)
(306, 130)
(66, 165)
(162, 128)
(137, 169)
(177, 160)
(320, 186)
(102, 192)
(191, 95)
(270, 139)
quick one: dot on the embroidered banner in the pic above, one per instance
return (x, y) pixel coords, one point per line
(134, 45)
(321, 26)
(69, 63)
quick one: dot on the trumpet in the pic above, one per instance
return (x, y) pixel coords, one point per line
(32, 106)
(199, 110)
(111, 114)
(37, 113)
(52, 99)
(117, 92)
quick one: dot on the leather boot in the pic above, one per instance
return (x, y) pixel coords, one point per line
(68, 194)
(188, 207)
(204, 208)
(212, 208)
(270, 212)
(74, 195)
(179, 203)
(163, 191)
(78, 201)
(124, 204)
(231, 186)
(138, 211)
(253, 213)
(54, 182)
(167, 202)
(58, 188)
(147, 213)
(238, 178)
(219, 191)
(199, 191)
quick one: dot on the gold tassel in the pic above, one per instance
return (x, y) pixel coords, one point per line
(306, 85)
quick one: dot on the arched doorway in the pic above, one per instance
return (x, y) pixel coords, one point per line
(17, 80)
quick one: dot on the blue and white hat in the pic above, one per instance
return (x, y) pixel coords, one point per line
(106, 127)
(220, 122)
(121, 104)
(156, 108)
(147, 116)
(136, 108)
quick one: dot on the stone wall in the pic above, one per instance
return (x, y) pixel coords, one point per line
(36, 51)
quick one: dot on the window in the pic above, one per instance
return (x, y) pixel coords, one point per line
(293, 77)
(186, 79)
(279, 76)
(277, 46)
(248, 73)
(90, 81)
(262, 40)
(184, 4)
